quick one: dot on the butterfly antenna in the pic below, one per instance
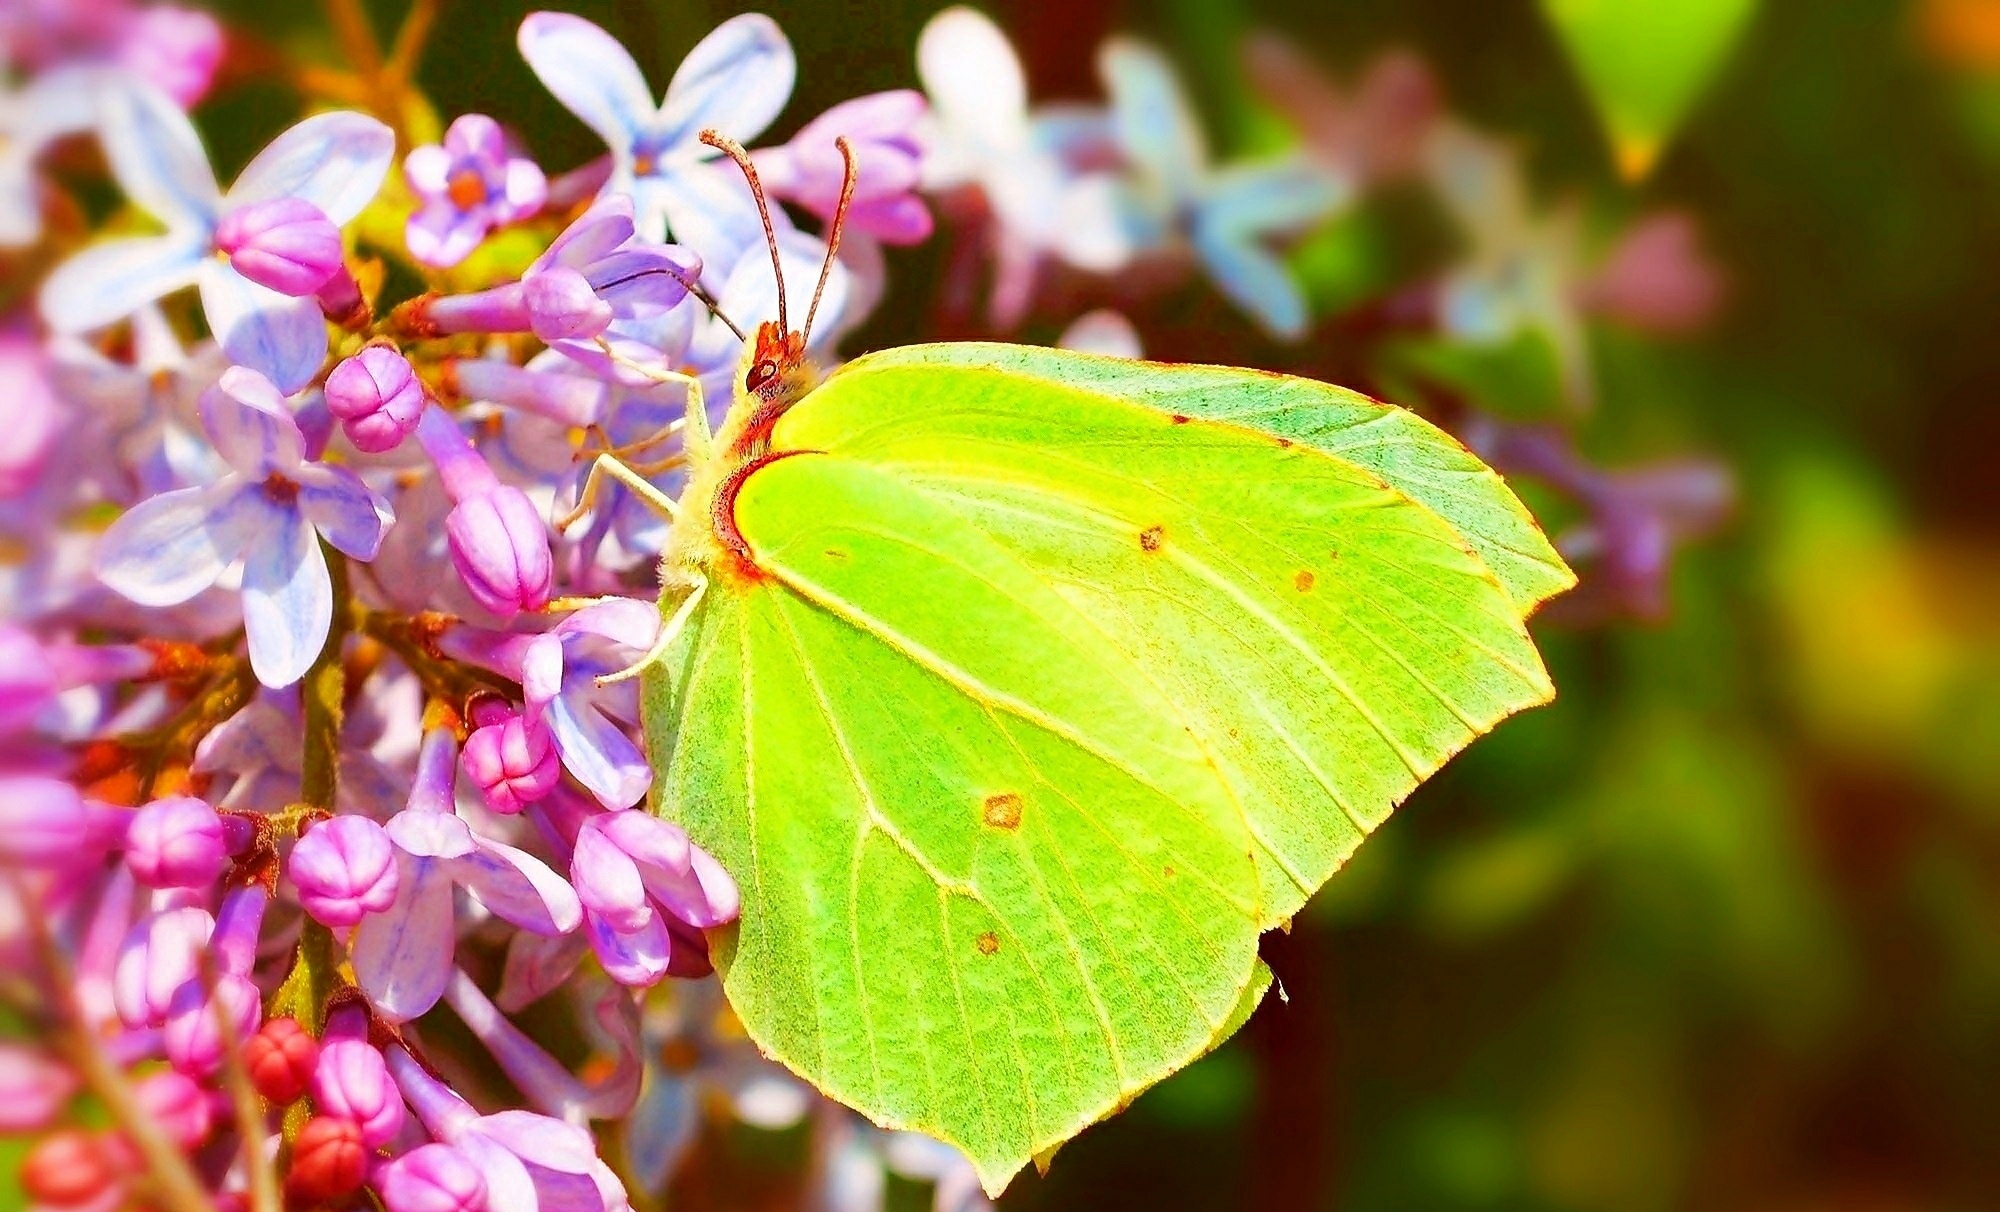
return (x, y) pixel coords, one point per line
(847, 180)
(694, 288)
(734, 151)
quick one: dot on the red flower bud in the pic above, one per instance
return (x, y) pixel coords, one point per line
(329, 1162)
(72, 1168)
(281, 1058)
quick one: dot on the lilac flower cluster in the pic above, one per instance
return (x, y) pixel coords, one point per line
(308, 732)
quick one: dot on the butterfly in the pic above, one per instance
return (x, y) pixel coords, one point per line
(1021, 690)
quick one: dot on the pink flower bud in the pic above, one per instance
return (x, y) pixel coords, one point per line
(286, 244)
(46, 823)
(352, 1082)
(176, 843)
(562, 305)
(500, 547)
(512, 761)
(193, 1034)
(329, 1162)
(281, 1058)
(177, 1105)
(431, 1178)
(345, 869)
(33, 1089)
(159, 955)
(377, 397)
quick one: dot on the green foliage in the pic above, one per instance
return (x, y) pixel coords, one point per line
(1051, 683)
(1646, 64)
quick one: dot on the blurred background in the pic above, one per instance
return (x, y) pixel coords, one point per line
(1719, 929)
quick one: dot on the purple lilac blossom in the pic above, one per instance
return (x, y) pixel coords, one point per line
(270, 511)
(888, 150)
(467, 186)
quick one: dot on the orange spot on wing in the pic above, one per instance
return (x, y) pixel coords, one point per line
(1303, 582)
(989, 943)
(1002, 811)
(1151, 537)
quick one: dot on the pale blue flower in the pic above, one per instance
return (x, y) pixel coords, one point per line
(334, 161)
(1520, 268)
(1225, 215)
(735, 81)
(269, 512)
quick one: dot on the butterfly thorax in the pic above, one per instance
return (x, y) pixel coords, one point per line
(774, 375)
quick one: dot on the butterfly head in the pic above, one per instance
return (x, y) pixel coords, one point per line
(775, 367)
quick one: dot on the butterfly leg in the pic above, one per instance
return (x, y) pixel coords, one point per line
(669, 632)
(605, 465)
(700, 441)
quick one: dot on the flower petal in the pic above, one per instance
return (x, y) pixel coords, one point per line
(283, 337)
(402, 958)
(599, 753)
(736, 81)
(107, 282)
(536, 966)
(345, 510)
(627, 621)
(1156, 127)
(287, 601)
(707, 208)
(974, 80)
(251, 424)
(519, 888)
(441, 235)
(1254, 280)
(1270, 198)
(157, 157)
(706, 896)
(591, 74)
(335, 161)
(167, 549)
(636, 957)
(427, 169)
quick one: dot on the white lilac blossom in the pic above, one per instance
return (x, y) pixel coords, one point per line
(1226, 215)
(985, 136)
(735, 82)
(270, 512)
(333, 162)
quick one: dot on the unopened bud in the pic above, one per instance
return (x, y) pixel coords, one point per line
(285, 244)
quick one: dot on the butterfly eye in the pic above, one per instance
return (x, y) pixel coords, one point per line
(760, 374)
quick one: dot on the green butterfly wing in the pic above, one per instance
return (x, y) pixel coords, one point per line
(1041, 706)
(1422, 461)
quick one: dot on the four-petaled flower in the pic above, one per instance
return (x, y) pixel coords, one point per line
(334, 162)
(470, 184)
(1225, 215)
(270, 511)
(734, 81)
